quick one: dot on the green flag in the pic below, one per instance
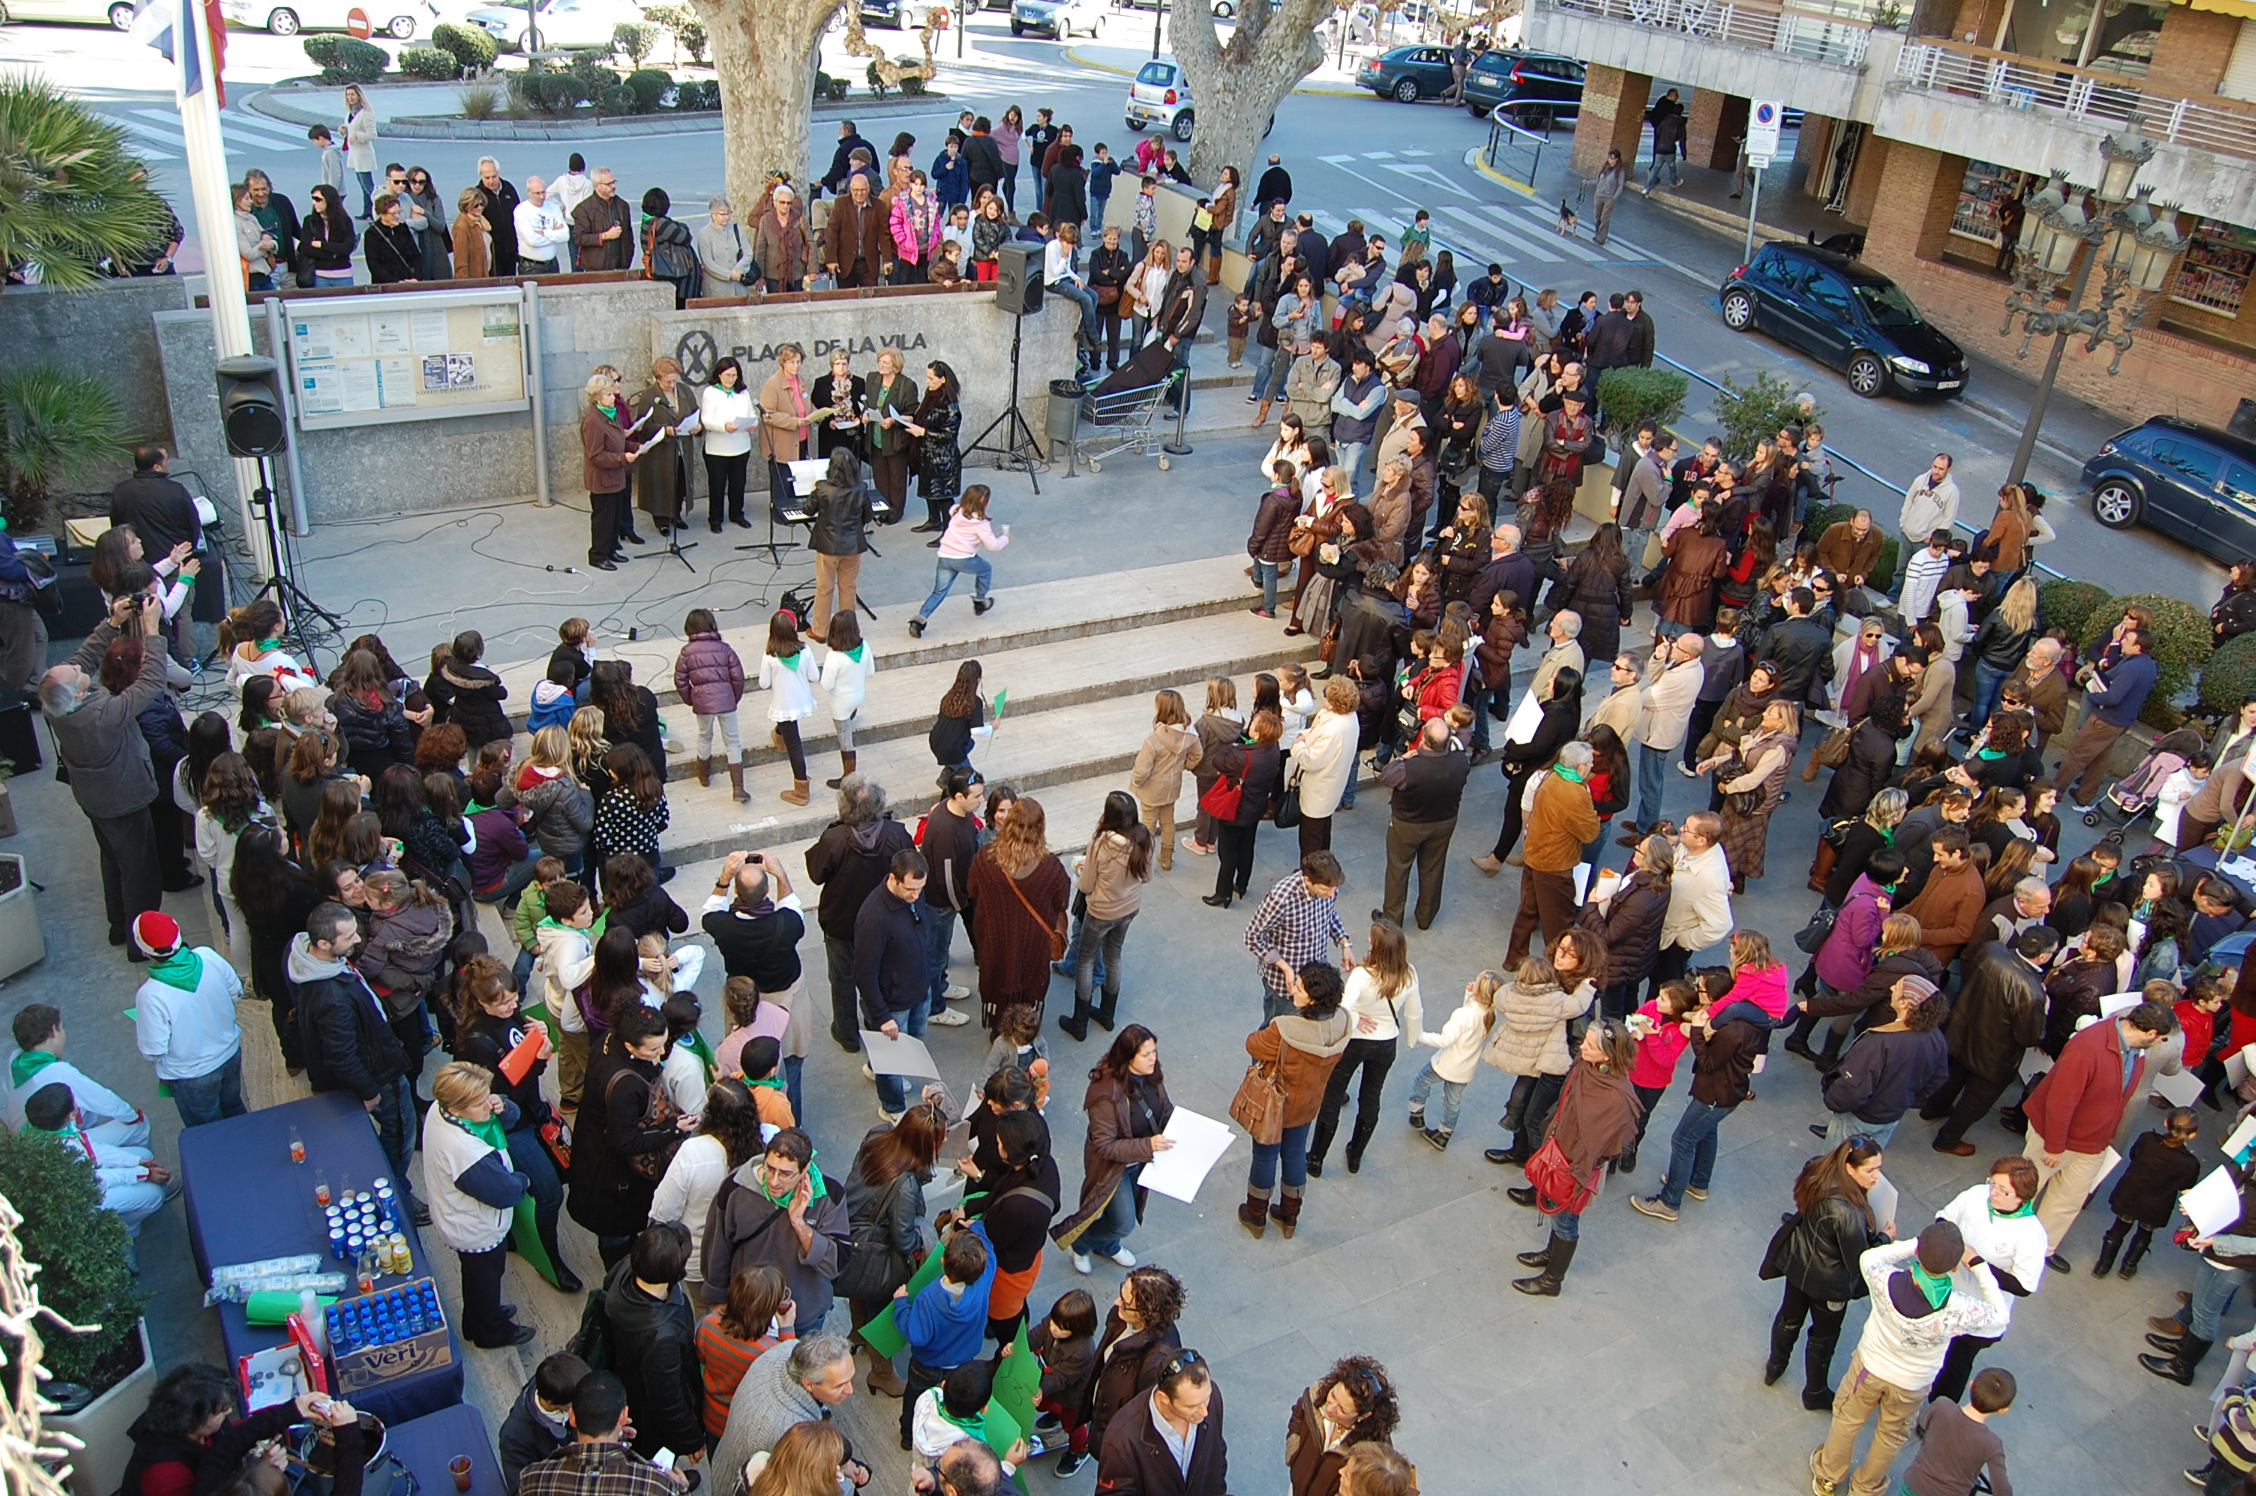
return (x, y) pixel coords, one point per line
(880, 1333)
(1002, 700)
(1018, 1381)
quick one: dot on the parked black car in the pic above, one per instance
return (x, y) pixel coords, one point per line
(2193, 483)
(1408, 74)
(1836, 308)
(1531, 89)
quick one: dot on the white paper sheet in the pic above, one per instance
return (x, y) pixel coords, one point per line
(903, 1054)
(2236, 1065)
(2213, 1204)
(1582, 883)
(1884, 1197)
(1526, 717)
(2116, 1004)
(690, 424)
(2182, 1089)
(1200, 1143)
(2107, 1163)
(2236, 1145)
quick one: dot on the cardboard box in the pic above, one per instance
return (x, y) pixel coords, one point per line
(368, 1366)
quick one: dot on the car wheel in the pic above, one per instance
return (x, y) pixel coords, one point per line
(1406, 91)
(1477, 111)
(121, 16)
(1181, 129)
(1136, 128)
(282, 23)
(1223, 11)
(1738, 311)
(2116, 503)
(1867, 375)
(1535, 117)
(402, 28)
(1017, 30)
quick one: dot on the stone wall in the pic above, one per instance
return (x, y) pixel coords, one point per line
(104, 331)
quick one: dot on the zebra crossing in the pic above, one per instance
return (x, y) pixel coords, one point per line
(154, 134)
(1523, 238)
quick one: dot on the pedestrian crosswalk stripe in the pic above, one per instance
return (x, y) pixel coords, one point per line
(264, 131)
(1616, 248)
(1527, 249)
(1330, 226)
(1378, 155)
(1512, 225)
(1335, 160)
(1416, 153)
(147, 143)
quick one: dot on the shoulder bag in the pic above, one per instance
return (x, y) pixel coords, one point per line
(1774, 1255)
(1812, 936)
(1057, 931)
(1221, 801)
(1286, 812)
(874, 1270)
(1259, 1106)
(1302, 541)
(658, 1111)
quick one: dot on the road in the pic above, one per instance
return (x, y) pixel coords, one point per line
(1351, 156)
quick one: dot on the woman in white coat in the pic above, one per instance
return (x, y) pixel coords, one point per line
(1322, 762)
(1456, 1055)
(473, 1194)
(728, 1135)
(1998, 1218)
(728, 415)
(845, 683)
(1381, 1003)
(360, 146)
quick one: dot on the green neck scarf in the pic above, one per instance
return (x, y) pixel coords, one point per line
(975, 1425)
(487, 1130)
(610, 412)
(183, 969)
(1937, 1286)
(268, 646)
(2026, 1208)
(817, 1188)
(772, 1082)
(858, 652)
(28, 1064)
(1570, 775)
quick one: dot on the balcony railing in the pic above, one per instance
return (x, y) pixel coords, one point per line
(2106, 99)
(1832, 34)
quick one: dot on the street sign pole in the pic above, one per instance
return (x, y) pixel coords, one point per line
(1763, 119)
(1753, 198)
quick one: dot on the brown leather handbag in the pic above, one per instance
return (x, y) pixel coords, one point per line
(1259, 1106)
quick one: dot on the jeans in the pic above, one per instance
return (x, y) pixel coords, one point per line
(1479, 700)
(706, 723)
(1107, 935)
(794, 1065)
(1117, 1222)
(1567, 1225)
(395, 1129)
(1988, 682)
(2213, 1288)
(1349, 455)
(944, 581)
(214, 1095)
(1270, 383)
(1452, 1097)
(1652, 769)
(1692, 1151)
(1293, 1149)
(939, 935)
(367, 193)
(1264, 360)
(512, 882)
(892, 1090)
(1084, 298)
(1266, 573)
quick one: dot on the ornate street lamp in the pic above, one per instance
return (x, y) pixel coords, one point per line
(2116, 227)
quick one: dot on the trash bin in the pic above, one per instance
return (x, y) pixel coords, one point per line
(1065, 410)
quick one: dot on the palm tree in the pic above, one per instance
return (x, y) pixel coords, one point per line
(54, 425)
(71, 194)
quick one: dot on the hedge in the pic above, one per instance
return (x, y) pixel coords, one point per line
(2182, 645)
(1631, 396)
(435, 63)
(648, 86)
(2230, 676)
(2068, 605)
(549, 93)
(471, 46)
(347, 59)
(616, 99)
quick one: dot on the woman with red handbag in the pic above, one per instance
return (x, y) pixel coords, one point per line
(1596, 1119)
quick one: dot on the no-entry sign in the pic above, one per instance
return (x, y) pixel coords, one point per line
(356, 24)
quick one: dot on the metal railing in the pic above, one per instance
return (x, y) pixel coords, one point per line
(2106, 99)
(1510, 140)
(1838, 39)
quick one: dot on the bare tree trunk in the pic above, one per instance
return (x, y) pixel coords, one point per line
(764, 54)
(1239, 84)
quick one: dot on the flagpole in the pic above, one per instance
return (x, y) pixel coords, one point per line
(211, 196)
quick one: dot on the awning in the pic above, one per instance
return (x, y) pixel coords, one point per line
(2244, 9)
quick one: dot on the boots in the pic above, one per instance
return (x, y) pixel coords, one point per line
(1626, 1162)
(1798, 1042)
(1076, 1024)
(847, 759)
(1782, 1338)
(2109, 1245)
(1540, 1257)
(2179, 1365)
(1358, 1139)
(1102, 1014)
(2141, 1239)
(1546, 1284)
(1287, 1211)
(1254, 1214)
(797, 794)
(883, 1379)
(1261, 416)
(736, 784)
(567, 1281)
(703, 769)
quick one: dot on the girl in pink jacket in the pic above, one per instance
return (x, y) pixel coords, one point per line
(916, 230)
(969, 532)
(1661, 1042)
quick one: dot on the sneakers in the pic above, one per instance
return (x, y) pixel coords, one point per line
(948, 1018)
(867, 1073)
(893, 1119)
(1082, 1264)
(1076, 1458)
(1048, 1423)
(955, 994)
(1191, 845)
(1440, 1140)
(916, 628)
(1694, 1192)
(1658, 1209)
(1124, 1257)
(1687, 773)
(980, 605)
(1819, 1485)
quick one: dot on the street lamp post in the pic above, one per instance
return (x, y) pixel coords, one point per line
(2113, 226)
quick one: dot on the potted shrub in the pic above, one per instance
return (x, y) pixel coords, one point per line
(101, 1378)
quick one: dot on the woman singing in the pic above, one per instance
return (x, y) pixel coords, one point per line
(664, 491)
(605, 459)
(786, 416)
(888, 399)
(727, 413)
(938, 422)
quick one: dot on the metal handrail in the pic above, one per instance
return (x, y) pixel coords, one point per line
(2108, 99)
(1502, 132)
(1812, 35)
(1847, 461)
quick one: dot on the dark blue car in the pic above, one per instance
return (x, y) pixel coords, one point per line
(2193, 483)
(1842, 311)
(1408, 74)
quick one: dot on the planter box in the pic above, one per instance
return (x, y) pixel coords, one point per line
(7, 811)
(98, 1469)
(21, 944)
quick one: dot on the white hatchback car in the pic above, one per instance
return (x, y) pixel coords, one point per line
(398, 19)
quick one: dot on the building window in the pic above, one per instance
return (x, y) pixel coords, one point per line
(1979, 196)
(2214, 274)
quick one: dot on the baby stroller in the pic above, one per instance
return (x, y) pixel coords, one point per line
(2135, 794)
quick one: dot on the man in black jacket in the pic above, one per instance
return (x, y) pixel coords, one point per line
(540, 1421)
(1275, 185)
(654, 1332)
(951, 839)
(1140, 1444)
(980, 151)
(1182, 309)
(1428, 784)
(1508, 570)
(279, 217)
(349, 1043)
(849, 861)
(890, 974)
(850, 141)
(1270, 228)
(1998, 1014)
(1800, 646)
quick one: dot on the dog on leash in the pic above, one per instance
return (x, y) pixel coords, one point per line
(1570, 222)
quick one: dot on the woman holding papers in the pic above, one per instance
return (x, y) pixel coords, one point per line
(489, 1031)
(664, 413)
(1998, 1217)
(1128, 1110)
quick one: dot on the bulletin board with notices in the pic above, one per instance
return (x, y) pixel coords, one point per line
(366, 360)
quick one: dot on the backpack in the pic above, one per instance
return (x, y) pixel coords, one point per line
(592, 1341)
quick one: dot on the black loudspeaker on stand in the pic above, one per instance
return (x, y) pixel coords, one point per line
(1018, 290)
(251, 417)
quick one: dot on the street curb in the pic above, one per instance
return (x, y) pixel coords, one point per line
(1475, 158)
(1073, 54)
(441, 127)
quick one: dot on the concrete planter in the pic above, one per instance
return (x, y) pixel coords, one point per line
(101, 1426)
(21, 944)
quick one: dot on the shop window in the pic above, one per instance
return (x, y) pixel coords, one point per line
(2214, 274)
(1984, 190)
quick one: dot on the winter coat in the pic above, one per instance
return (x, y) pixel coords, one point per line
(563, 813)
(1600, 594)
(470, 696)
(1820, 1256)
(1628, 925)
(1530, 1036)
(1845, 960)
(2073, 990)
(607, 1195)
(1303, 1052)
(1272, 527)
(843, 516)
(2148, 1191)
(1124, 1116)
(1157, 778)
(1887, 1072)
(1128, 1363)
(1870, 765)
(403, 953)
(376, 736)
(709, 675)
(654, 1344)
(2079, 1103)
(1998, 1014)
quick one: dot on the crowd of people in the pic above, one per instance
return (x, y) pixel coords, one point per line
(350, 826)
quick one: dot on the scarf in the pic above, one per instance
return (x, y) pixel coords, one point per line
(610, 412)
(183, 969)
(26, 1065)
(1936, 1286)
(975, 1426)
(1567, 774)
(817, 1188)
(773, 1082)
(487, 1130)
(2026, 1208)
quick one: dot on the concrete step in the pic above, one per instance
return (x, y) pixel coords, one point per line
(1069, 672)
(1042, 613)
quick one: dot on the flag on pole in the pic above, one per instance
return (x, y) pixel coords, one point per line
(170, 27)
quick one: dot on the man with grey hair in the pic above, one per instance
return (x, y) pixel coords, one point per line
(754, 921)
(1508, 570)
(724, 251)
(1564, 654)
(498, 198)
(2046, 685)
(1561, 821)
(603, 227)
(541, 232)
(1429, 787)
(101, 745)
(849, 860)
(796, 1381)
(968, 1467)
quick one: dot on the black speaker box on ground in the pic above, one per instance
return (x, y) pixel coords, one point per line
(1018, 278)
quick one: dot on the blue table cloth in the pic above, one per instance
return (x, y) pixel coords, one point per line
(425, 1445)
(247, 1201)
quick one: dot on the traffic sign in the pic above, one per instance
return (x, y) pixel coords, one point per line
(356, 24)
(1758, 163)
(1762, 128)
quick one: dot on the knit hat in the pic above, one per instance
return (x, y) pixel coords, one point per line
(156, 933)
(1918, 989)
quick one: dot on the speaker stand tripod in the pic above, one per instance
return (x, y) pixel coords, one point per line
(1015, 448)
(297, 608)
